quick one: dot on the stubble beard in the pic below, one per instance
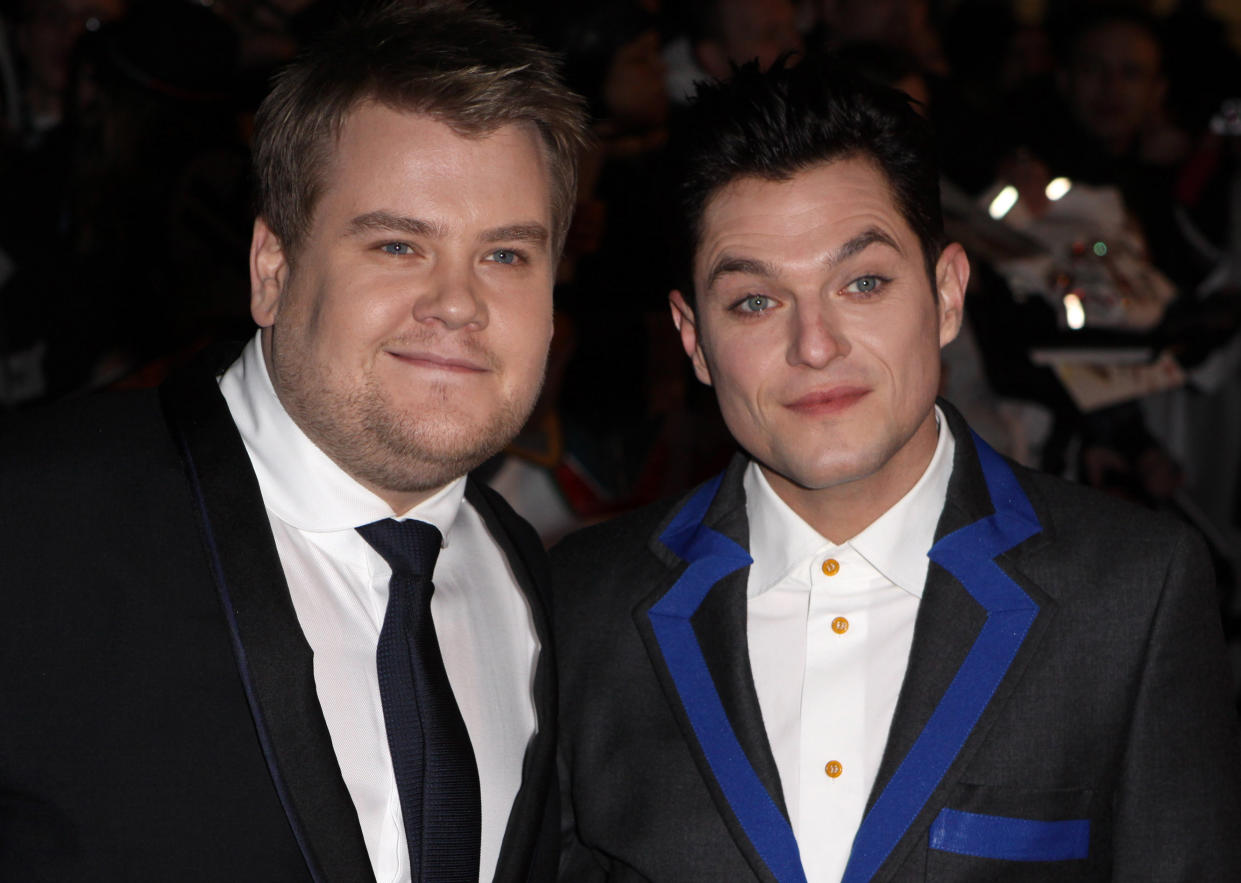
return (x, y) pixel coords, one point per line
(383, 446)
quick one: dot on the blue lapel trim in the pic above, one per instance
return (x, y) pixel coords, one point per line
(711, 557)
(969, 555)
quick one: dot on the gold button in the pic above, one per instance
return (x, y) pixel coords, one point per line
(831, 567)
(840, 625)
(833, 769)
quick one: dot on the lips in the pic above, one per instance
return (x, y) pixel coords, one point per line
(439, 361)
(833, 400)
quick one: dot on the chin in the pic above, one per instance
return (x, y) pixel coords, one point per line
(835, 472)
(420, 464)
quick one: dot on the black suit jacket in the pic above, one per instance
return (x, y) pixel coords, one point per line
(158, 714)
(1065, 713)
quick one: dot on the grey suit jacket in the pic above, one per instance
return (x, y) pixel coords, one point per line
(1065, 713)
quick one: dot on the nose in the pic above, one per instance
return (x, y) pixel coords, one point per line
(817, 336)
(453, 297)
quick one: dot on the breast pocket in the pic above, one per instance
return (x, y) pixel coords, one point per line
(1012, 835)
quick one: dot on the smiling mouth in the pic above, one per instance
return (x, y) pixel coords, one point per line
(437, 362)
(828, 401)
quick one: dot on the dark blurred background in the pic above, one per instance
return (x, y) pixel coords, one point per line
(1091, 166)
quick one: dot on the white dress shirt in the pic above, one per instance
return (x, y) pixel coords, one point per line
(339, 586)
(829, 631)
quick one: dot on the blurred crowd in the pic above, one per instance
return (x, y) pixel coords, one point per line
(125, 220)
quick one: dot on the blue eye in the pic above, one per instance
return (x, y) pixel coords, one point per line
(397, 248)
(754, 303)
(865, 284)
(505, 256)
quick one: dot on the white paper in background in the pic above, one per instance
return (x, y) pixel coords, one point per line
(1095, 383)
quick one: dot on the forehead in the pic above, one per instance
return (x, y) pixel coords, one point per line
(381, 153)
(372, 128)
(817, 208)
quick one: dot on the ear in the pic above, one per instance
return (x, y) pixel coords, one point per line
(952, 275)
(269, 272)
(683, 319)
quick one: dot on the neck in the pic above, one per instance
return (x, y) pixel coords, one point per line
(399, 502)
(841, 511)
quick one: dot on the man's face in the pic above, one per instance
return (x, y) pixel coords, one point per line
(409, 335)
(1114, 83)
(817, 326)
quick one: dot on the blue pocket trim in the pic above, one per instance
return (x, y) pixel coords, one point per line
(1016, 840)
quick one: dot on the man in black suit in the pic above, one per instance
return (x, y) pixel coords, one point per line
(873, 649)
(222, 657)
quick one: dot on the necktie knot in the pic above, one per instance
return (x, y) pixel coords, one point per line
(410, 547)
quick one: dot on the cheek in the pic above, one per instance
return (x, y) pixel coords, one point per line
(921, 368)
(343, 310)
(526, 336)
(748, 368)
(742, 396)
(910, 353)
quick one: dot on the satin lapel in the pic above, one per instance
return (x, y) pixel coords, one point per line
(973, 621)
(538, 768)
(273, 658)
(695, 631)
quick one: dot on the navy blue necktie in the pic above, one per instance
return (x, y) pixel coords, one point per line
(436, 776)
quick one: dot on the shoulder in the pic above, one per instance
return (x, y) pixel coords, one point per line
(87, 490)
(1080, 525)
(601, 572)
(615, 540)
(1100, 552)
(1082, 516)
(92, 436)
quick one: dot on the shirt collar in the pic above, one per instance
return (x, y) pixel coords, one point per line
(301, 485)
(895, 544)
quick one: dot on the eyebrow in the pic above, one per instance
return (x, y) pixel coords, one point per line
(861, 242)
(373, 222)
(751, 267)
(535, 234)
(745, 266)
(387, 222)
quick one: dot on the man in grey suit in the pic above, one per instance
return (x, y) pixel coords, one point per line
(873, 649)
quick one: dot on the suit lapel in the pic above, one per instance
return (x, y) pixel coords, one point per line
(977, 626)
(694, 627)
(521, 836)
(274, 659)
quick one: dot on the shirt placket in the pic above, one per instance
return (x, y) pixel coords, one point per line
(833, 711)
